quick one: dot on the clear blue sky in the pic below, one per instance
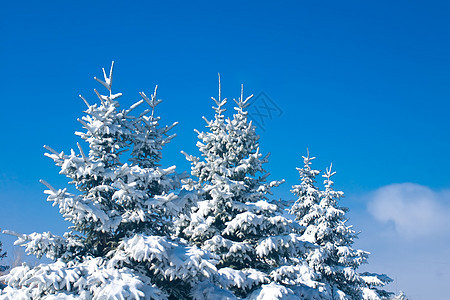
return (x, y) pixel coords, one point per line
(363, 84)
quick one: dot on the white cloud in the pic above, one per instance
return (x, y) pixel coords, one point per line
(414, 210)
(407, 229)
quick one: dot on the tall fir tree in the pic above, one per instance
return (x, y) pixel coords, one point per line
(234, 218)
(325, 225)
(120, 244)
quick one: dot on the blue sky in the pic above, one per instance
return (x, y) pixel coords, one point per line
(365, 85)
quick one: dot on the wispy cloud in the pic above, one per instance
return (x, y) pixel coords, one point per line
(413, 210)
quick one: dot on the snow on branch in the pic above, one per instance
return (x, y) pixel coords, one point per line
(108, 80)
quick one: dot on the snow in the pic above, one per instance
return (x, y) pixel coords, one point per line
(273, 291)
(141, 231)
(243, 279)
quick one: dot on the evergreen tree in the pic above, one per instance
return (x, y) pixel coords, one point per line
(335, 259)
(234, 218)
(120, 244)
(3, 268)
(2, 255)
(305, 208)
(400, 296)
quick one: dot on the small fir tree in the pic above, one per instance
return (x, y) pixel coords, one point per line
(325, 225)
(234, 218)
(3, 268)
(2, 256)
(307, 193)
(400, 296)
(120, 244)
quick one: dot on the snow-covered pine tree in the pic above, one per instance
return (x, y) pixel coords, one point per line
(234, 218)
(400, 296)
(119, 246)
(3, 268)
(304, 209)
(335, 259)
(2, 255)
